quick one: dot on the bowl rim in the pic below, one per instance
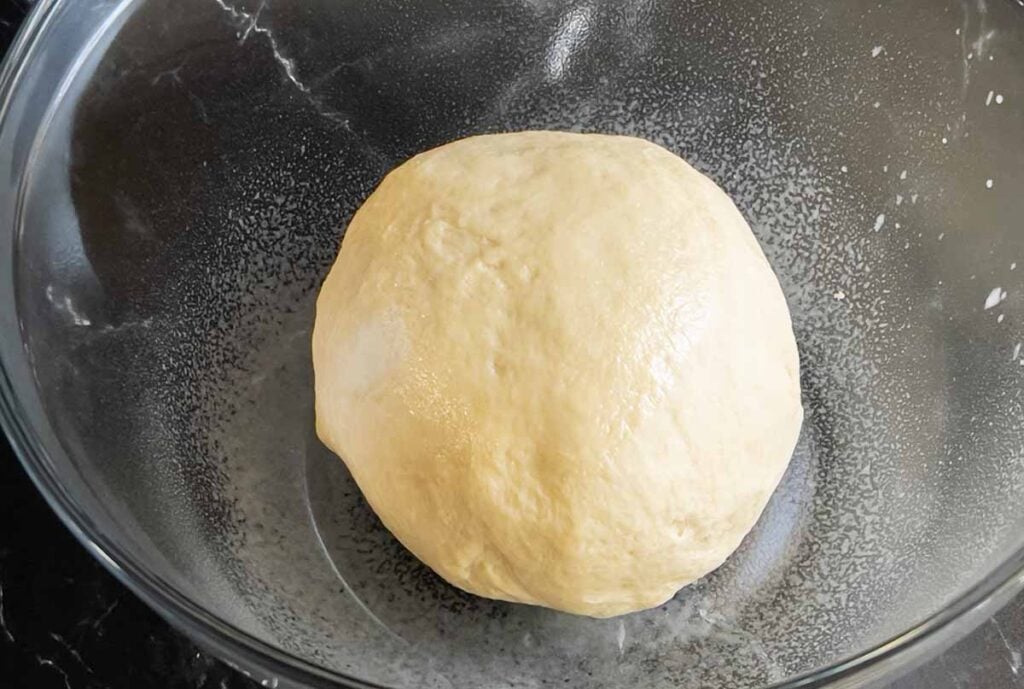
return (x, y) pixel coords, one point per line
(245, 651)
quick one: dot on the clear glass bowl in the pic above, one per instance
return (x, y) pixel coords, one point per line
(175, 178)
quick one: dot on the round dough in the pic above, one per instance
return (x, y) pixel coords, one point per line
(559, 367)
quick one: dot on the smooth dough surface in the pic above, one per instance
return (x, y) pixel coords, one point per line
(559, 367)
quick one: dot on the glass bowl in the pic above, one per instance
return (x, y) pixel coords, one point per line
(175, 179)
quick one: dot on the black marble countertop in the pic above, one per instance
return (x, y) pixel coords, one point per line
(66, 623)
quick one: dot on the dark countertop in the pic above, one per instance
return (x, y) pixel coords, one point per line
(66, 623)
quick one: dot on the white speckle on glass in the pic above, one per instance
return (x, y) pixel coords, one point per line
(839, 295)
(999, 99)
(844, 169)
(879, 221)
(941, 235)
(1013, 266)
(876, 104)
(993, 298)
(899, 199)
(876, 51)
(1000, 318)
(913, 198)
(1016, 351)
(945, 140)
(903, 174)
(988, 183)
(988, 98)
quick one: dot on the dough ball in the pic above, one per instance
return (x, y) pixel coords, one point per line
(559, 367)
